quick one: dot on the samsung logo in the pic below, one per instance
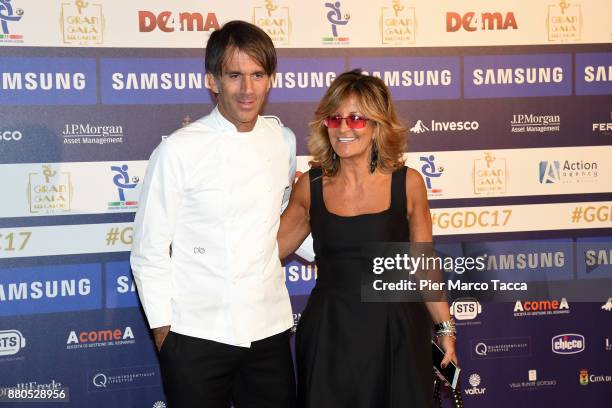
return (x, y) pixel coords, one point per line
(303, 80)
(507, 76)
(598, 73)
(154, 80)
(46, 81)
(45, 289)
(526, 261)
(418, 78)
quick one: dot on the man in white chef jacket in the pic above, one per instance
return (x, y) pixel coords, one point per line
(217, 301)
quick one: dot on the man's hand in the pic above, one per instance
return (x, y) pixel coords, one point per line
(159, 335)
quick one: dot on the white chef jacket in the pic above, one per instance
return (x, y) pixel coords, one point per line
(214, 194)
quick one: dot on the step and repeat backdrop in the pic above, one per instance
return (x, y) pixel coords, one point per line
(509, 111)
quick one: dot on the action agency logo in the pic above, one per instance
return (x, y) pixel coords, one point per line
(126, 189)
(79, 133)
(532, 382)
(398, 24)
(100, 338)
(49, 191)
(564, 21)
(475, 380)
(275, 21)
(335, 17)
(541, 307)
(490, 175)
(11, 342)
(577, 171)
(465, 309)
(529, 123)
(168, 22)
(570, 343)
(8, 15)
(82, 23)
(487, 21)
(431, 171)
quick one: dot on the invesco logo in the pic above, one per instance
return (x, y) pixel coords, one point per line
(10, 135)
(568, 343)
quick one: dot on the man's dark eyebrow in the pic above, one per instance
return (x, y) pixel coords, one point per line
(262, 72)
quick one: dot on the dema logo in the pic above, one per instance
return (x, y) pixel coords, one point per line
(486, 21)
(568, 343)
(167, 22)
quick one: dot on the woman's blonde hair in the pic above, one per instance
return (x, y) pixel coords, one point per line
(375, 102)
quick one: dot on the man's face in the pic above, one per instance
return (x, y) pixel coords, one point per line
(241, 90)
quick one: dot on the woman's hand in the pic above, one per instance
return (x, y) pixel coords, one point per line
(448, 345)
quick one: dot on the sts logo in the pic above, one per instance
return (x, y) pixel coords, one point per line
(11, 342)
(465, 309)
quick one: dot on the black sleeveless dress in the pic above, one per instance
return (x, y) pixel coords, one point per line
(350, 353)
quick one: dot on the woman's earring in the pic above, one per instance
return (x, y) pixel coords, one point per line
(334, 161)
(374, 157)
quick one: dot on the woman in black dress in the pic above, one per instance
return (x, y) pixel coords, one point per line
(358, 191)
